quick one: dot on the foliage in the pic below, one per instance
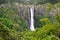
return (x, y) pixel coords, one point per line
(12, 27)
(30, 1)
(2, 1)
(44, 33)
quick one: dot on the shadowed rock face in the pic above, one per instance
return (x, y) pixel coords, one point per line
(25, 14)
(23, 11)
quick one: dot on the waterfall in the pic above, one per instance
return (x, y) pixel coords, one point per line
(32, 18)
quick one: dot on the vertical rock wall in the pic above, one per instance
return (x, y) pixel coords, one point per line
(23, 11)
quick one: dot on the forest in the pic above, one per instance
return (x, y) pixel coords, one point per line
(15, 19)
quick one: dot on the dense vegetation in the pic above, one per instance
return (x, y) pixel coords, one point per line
(36, 2)
(12, 27)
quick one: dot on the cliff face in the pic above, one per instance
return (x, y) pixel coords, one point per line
(25, 14)
(23, 11)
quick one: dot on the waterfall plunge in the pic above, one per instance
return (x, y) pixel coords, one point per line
(32, 18)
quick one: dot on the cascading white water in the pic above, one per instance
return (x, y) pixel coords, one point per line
(32, 18)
